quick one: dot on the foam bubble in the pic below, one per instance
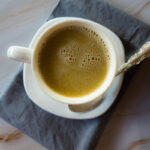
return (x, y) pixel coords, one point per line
(71, 51)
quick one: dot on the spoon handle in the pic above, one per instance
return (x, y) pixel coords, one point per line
(135, 59)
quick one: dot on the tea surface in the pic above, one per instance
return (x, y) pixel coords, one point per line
(73, 61)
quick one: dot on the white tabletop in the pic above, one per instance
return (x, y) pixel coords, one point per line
(129, 127)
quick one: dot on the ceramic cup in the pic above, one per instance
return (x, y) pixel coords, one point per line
(30, 55)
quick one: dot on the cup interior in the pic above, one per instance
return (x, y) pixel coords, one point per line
(48, 29)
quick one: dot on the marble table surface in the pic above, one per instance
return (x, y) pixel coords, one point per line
(129, 127)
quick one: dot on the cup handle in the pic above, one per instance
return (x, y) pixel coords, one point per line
(20, 53)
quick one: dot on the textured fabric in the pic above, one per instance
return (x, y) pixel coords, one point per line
(58, 133)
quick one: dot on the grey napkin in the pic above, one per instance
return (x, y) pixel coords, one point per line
(58, 133)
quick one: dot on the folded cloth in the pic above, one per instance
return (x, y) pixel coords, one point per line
(56, 133)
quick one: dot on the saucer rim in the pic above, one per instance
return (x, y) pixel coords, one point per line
(79, 114)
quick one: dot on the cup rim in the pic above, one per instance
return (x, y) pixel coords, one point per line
(47, 28)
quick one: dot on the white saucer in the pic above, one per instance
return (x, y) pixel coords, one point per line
(40, 98)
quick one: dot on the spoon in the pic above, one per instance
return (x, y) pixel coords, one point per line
(135, 59)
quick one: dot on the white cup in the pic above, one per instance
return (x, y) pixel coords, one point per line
(29, 55)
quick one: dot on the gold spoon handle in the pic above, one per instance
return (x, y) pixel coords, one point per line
(135, 59)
